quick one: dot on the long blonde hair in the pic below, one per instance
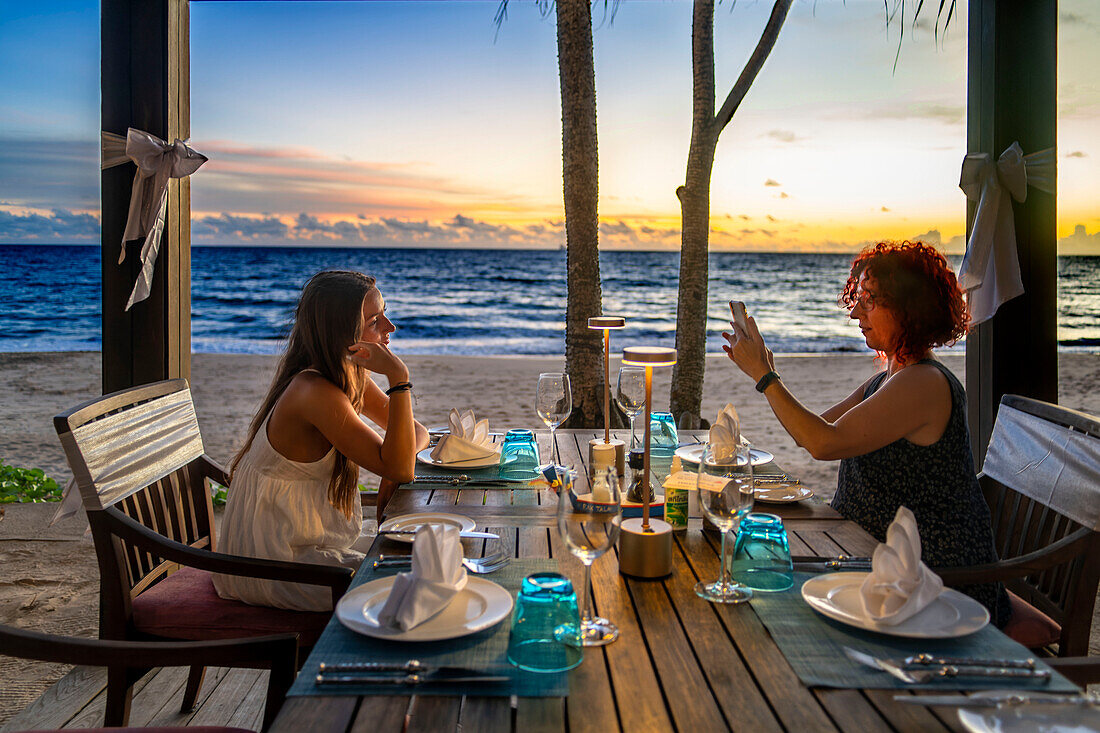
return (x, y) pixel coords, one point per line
(328, 320)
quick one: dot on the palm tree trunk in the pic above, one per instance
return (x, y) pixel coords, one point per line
(583, 347)
(686, 396)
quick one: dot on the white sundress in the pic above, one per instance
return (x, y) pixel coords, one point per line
(278, 509)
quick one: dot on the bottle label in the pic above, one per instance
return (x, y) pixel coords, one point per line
(676, 508)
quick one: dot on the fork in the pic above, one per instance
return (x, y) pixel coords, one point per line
(920, 676)
(476, 565)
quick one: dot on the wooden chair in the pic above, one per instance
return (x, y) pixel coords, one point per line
(278, 653)
(1041, 479)
(139, 464)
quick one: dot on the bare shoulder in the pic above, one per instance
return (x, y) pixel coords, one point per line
(925, 381)
(309, 390)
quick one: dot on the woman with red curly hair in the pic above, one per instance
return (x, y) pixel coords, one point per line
(901, 437)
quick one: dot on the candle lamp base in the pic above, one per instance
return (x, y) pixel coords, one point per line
(645, 553)
(599, 454)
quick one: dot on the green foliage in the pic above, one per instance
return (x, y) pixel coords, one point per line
(218, 494)
(26, 485)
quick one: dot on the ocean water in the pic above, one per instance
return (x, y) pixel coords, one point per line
(474, 301)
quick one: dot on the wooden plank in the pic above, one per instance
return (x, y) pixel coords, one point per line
(795, 706)
(728, 676)
(689, 698)
(540, 715)
(380, 713)
(854, 539)
(250, 712)
(226, 697)
(162, 693)
(900, 715)
(484, 714)
(92, 715)
(62, 700)
(820, 543)
(328, 714)
(851, 711)
(170, 714)
(433, 714)
(587, 708)
(638, 696)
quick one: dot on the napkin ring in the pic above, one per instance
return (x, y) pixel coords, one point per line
(766, 380)
(399, 387)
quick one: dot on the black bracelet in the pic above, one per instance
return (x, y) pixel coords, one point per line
(772, 376)
(399, 387)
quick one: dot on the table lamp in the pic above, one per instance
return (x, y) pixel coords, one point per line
(600, 451)
(645, 545)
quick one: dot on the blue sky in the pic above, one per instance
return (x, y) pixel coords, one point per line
(380, 123)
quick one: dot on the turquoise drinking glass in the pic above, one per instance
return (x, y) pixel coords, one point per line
(519, 456)
(663, 439)
(762, 555)
(546, 625)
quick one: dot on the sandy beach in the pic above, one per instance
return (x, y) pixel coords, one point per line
(50, 580)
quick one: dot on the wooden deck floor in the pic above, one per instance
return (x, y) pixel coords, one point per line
(230, 697)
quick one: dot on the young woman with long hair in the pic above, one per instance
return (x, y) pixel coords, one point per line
(293, 491)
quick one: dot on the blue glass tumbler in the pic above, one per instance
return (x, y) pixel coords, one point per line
(519, 456)
(546, 625)
(663, 439)
(762, 556)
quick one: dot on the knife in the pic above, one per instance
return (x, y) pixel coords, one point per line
(413, 666)
(983, 701)
(821, 567)
(408, 679)
(463, 534)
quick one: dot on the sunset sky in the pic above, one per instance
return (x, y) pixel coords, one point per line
(421, 123)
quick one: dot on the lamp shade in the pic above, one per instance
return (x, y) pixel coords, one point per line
(600, 322)
(650, 356)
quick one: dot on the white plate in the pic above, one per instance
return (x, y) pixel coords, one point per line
(412, 521)
(481, 604)
(425, 456)
(1034, 716)
(836, 595)
(691, 454)
(782, 493)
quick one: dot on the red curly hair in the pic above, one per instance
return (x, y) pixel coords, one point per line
(915, 282)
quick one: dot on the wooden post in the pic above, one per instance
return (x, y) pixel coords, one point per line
(145, 80)
(1011, 96)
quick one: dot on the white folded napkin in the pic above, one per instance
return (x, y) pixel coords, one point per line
(436, 577)
(899, 585)
(468, 439)
(725, 435)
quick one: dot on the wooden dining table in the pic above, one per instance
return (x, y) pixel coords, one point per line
(680, 663)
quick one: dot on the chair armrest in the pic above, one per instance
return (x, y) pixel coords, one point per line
(1078, 670)
(258, 652)
(1054, 554)
(211, 469)
(335, 577)
(368, 498)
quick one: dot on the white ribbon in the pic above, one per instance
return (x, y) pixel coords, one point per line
(990, 271)
(156, 162)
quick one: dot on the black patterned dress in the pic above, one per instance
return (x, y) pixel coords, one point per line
(937, 482)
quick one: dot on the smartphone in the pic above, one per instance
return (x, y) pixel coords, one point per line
(740, 314)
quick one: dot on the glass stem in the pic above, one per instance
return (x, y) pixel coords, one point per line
(553, 447)
(586, 602)
(722, 577)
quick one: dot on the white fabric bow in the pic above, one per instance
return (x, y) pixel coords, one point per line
(725, 435)
(156, 161)
(899, 585)
(990, 271)
(436, 578)
(468, 439)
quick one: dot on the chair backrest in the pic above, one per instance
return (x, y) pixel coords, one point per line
(1041, 479)
(138, 452)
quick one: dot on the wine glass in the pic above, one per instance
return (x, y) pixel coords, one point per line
(553, 403)
(725, 496)
(589, 525)
(630, 394)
